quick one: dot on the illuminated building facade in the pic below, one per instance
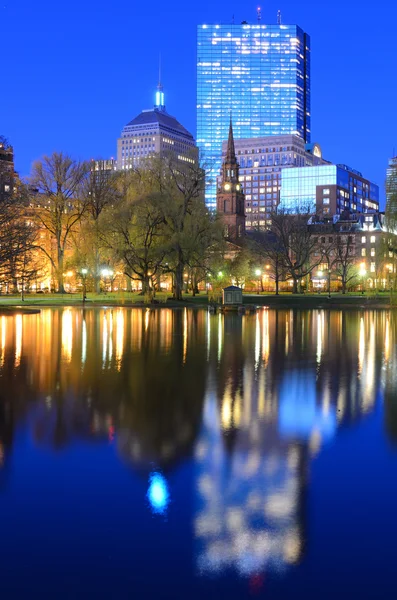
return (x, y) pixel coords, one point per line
(7, 171)
(328, 189)
(155, 132)
(259, 73)
(261, 161)
(363, 237)
(391, 184)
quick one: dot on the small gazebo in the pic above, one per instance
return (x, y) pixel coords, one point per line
(232, 295)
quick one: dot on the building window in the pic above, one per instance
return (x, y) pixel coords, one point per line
(326, 192)
(373, 267)
(363, 239)
(325, 200)
(363, 252)
(372, 239)
(372, 251)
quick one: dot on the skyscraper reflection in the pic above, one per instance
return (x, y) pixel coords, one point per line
(246, 401)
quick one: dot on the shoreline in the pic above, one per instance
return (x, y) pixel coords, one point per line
(268, 301)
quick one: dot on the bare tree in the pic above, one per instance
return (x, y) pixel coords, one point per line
(344, 263)
(267, 246)
(100, 192)
(296, 243)
(58, 204)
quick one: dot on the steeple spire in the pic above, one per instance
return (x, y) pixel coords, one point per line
(231, 152)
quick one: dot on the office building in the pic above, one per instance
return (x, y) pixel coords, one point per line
(7, 170)
(391, 186)
(261, 161)
(155, 132)
(258, 73)
(327, 190)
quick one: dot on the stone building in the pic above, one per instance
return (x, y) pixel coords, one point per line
(155, 132)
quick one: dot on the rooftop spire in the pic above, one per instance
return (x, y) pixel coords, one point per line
(231, 152)
(160, 103)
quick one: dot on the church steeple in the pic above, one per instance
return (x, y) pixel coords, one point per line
(231, 152)
(230, 198)
(230, 169)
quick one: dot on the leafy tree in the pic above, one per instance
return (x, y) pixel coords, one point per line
(181, 203)
(134, 230)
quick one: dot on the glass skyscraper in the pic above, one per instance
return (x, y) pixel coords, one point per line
(260, 74)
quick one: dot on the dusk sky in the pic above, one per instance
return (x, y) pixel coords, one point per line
(74, 73)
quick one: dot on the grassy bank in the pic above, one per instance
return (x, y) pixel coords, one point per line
(382, 300)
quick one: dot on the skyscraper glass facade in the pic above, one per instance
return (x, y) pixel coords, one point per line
(258, 73)
(331, 189)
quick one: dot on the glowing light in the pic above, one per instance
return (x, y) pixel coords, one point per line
(158, 494)
(67, 334)
(3, 339)
(184, 335)
(84, 342)
(18, 339)
(119, 336)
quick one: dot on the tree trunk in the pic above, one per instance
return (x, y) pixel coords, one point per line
(145, 285)
(277, 285)
(343, 286)
(295, 286)
(61, 288)
(178, 281)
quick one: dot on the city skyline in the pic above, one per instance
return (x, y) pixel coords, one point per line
(98, 106)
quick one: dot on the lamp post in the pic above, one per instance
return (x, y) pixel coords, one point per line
(363, 273)
(258, 273)
(84, 274)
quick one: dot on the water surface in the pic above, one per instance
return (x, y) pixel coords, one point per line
(173, 454)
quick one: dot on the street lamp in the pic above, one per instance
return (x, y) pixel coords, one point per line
(106, 273)
(363, 273)
(258, 273)
(84, 274)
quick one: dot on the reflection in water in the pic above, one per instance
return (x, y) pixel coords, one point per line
(249, 401)
(158, 494)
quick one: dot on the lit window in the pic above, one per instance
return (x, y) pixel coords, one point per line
(326, 192)
(372, 251)
(372, 239)
(363, 252)
(373, 267)
(325, 200)
(363, 239)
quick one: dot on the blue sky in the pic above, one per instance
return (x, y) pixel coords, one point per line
(74, 73)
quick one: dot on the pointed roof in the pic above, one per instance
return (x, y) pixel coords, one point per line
(162, 119)
(231, 152)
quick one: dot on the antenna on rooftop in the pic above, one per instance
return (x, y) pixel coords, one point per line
(259, 14)
(160, 104)
(279, 17)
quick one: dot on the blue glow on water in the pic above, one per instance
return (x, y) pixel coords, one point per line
(158, 494)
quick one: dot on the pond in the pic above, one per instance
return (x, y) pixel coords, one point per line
(176, 454)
